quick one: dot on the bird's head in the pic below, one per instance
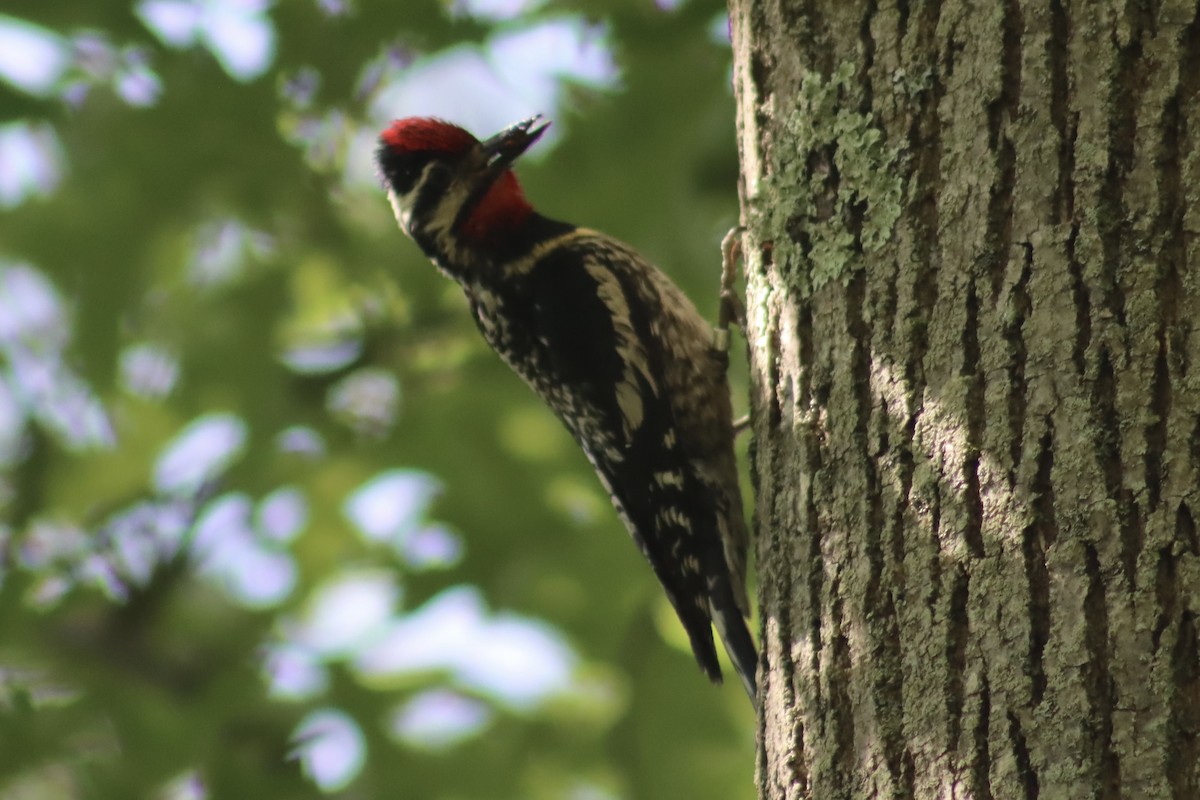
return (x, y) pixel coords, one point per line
(443, 182)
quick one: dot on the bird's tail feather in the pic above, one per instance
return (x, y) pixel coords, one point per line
(731, 626)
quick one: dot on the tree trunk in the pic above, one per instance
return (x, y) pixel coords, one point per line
(974, 321)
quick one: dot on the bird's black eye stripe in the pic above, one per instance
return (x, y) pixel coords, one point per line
(401, 170)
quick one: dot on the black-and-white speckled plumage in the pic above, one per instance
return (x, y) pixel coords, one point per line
(624, 359)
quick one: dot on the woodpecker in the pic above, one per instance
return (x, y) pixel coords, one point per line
(615, 349)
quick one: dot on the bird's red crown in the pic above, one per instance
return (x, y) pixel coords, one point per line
(428, 135)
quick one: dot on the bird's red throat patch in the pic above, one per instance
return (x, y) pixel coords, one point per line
(503, 209)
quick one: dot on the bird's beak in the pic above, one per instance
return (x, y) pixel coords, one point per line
(503, 148)
(499, 152)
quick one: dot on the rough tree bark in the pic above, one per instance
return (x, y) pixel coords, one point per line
(974, 320)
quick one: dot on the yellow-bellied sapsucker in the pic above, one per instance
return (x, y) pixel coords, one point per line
(613, 347)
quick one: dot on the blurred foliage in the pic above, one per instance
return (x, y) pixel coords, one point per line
(251, 446)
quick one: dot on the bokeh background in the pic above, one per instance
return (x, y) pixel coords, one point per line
(273, 520)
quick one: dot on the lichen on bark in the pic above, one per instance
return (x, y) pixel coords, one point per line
(834, 187)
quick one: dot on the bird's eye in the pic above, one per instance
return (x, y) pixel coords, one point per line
(403, 170)
(412, 169)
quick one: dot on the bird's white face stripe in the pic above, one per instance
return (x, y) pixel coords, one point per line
(436, 222)
(400, 208)
(402, 204)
